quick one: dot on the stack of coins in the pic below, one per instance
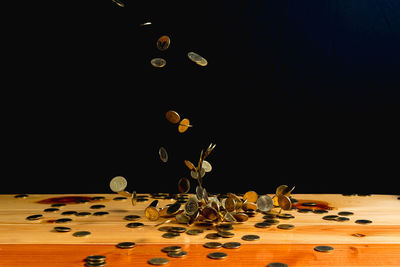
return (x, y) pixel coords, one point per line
(95, 261)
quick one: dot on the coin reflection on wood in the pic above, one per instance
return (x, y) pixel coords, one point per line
(163, 43)
(158, 62)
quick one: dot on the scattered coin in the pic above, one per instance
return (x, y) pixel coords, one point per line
(118, 183)
(194, 231)
(132, 217)
(272, 221)
(97, 207)
(83, 214)
(250, 196)
(342, 219)
(225, 234)
(199, 60)
(34, 217)
(284, 202)
(262, 225)
(171, 249)
(309, 204)
(304, 210)
(158, 62)
(217, 255)
(345, 213)
(63, 220)
(97, 258)
(135, 225)
(158, 261)
(69, 212)
(51, 210)
(81, 233)
(206, 166)
(177, 254)
(250, 237)
(171, 235)
(212, 236)
(323, 248)
(162, 152)
(101, 213)
(177, 229)
(57, 205)
(126, 245)
(212, 245)
(277, 264)
(330, 217)
(119, 198)
(62, 229)
(163, 43)
(145, 23)
(151, 213)
(319, 211)
(231, 245)
(358, 235)
(285, 226)
(363, 221)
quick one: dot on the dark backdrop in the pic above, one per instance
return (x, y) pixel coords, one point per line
(302, 93)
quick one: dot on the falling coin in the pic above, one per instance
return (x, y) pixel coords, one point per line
(217, 255)
(264, 203)
(158, 261)
(118, 183)
(162, 152)
(163, 43)
(250, 196)
(184, 185)
(284, 202)
(197, 58)
(158, 62)
(119, 3)
(323, 248)
(172, 116)
(206, 166)
(145, 24)
(184, 125)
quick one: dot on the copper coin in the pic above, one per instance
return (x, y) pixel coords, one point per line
(172, 116)
(163, 43)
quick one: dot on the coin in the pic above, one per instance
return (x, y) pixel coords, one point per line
(184, 125)
(34, 217)
(304, 210)
(184, 185)
(284, 202)
(212, 245)
(206, 166)
(240, 216)
(134, 198)
(250, 237)
(162, 152)
(309, 204)
(81, 233)
(62, 229)
(191, 206)
(51, 210)
(177, 254)
(158, 261)
(212, 236)
(250, 196)
(345, 213)
(119, 198)
(135, 225)
(363, 221)
(225, 234)
(101, 213)
(98, 258)
(262, 225)
(126, 245)
(231, 245)
(183, 218)
(172, 116)
(197, 58)
(118, 183)
(194, 231)
(97, 206)
(163, 43)
(342, 219)
(277, 264)
(125, 193)
(358, 235)
(230, 204)
(83, 213)
(57, 205)
(145, 23)
(209, 213)
(323, 248)
(158, 62)
(171, 235)
(177, 229)
(330, 217)
(119, 3)
(132, 217)
(21, 196)
(164, 228)
(69, 212)
(271, 221)
(191, 166)
(285, 226)
(174, 208)
(171, 249)
(217, 255)
(264, 203)
(151, 213)
(63, 220)
(319, 211)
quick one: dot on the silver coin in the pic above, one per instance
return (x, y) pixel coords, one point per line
(323, 248)
(118, 184)
(162, 152)
(191, 206)
(265, 203)
(158, 261)
(158, 62)
(206, 166)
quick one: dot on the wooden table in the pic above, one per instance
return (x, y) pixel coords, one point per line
(35, 243)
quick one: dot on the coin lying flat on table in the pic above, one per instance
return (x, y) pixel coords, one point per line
(135, 225)
(81, 233)
(231, 245)
(62, 229)
(363, 221)
(34, 217)
(177, 254)
(171, 248)
(118, 183)
(212, 245)
(285, 226)
(217, 255)
(158, 261)
(250, 237)
(158, 62)
(126, 245)
(323, 248)
(277, 264)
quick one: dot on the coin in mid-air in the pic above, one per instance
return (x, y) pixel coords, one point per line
(206, 166)
(201, 61)
(163, 43)
(172, 116)
(264, 203)
(158, 62)
(184, 125)
(162, 152)
(119, 3)
(118, 184)
(191, 206)
(284, 202)
(151, 213)
(250, 196)
(184, 185)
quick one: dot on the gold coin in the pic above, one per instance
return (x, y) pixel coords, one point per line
(158, 62)
(209, 213)
(172, 116)
(251, 196)
(119, 2)
(284, 202)
(240, 216)
(152, 213)
(183, 125)
(230, 204)
(199, 60)
(184, 185)
(163, 43)
(190, 165)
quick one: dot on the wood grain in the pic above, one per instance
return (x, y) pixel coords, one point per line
(35, 243)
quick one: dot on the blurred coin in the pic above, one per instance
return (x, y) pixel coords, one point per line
(81, 233)
(163, 43)
(100, 213)
(206, 166)
(231, 245)
(51, 210)
(212, 245)
(118, 183)
(240, 216)
(173, 208)
(277, 264)
(172, 116)
(184, 185)
(319, 211)
(209, 213)
(135, 225)
(125, 193)
(69, 212)
(162, 152)
(250, 196)
(126, 245)
(63, 220)
(151, 213)
(284, 202)
(230, 204)
(171, 249)
(309, 204)
(323, 248)
(119, 198)
(264, 203)
(217, 255)
(119, 3)
(191, 206)
(171, 235)
(177, 254)
(271, 221)
(134, 198)
(342, 219)
(197, 58)
(145, 23)
(184, 125)
(21, 196)
(285, 216)
(97, 206)
(199, 192)
(62, 229)
(304, 210)
(190, 166)
(158, 62)
(330, 217)
(177, 229)
(285, 226)
(345, 213)
(250, 237)
(194, 231)
(262, 225)
(83, 214)
(363, 221)
(182, 218)
(158, 261)
(249, 206)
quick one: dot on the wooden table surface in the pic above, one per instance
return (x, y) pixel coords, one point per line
(35, 243)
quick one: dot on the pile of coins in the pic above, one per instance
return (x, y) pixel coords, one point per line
(95, 261)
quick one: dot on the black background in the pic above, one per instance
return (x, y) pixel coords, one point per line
(301, 93)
